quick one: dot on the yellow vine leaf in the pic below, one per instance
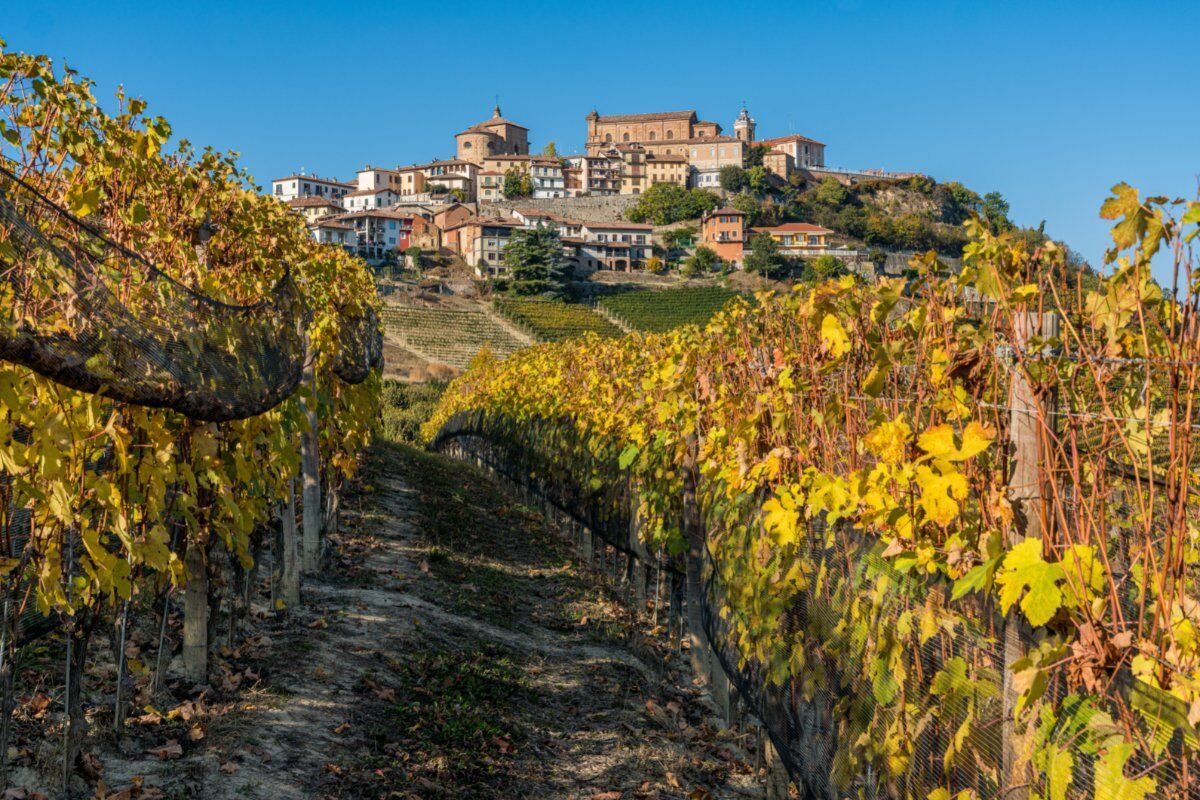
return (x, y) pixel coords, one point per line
(889, 440)
(1027, 577)
(939, 441)
(833, 335)
(940, 494)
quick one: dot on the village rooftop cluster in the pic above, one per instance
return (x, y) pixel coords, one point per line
(448, 206)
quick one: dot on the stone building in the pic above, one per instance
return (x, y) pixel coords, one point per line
(645, 129)
(496, 136)
(805, 152)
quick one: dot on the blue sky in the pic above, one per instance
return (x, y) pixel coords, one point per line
(1049, 103)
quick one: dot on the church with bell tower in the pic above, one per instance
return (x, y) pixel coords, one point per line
(492, 137)
(743, 126)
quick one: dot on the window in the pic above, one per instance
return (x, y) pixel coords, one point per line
(625, 137)
(278, 189)
(670, 134)
(693, 152)
(466, 145)
(608, 137)
(653, 136)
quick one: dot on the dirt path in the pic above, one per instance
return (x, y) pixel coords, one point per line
(453, 649)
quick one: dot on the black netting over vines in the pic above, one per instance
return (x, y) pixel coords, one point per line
(95, 316)
(815, 722)
(360, 347)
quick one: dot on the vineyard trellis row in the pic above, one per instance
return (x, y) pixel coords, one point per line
(156, 413)
(947, 525)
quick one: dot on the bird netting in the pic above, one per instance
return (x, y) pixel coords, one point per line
(93, 315)
(360, 347)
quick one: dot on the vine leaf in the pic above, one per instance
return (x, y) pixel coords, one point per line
(834, 336)
(939, 441)
(1111, 783)
(1027, 577)
(627, 456)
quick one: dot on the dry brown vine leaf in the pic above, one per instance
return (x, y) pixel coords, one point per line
(172, 749)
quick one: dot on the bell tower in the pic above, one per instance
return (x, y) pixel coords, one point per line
(743, 126)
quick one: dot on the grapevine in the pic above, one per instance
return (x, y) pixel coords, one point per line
(853, 450)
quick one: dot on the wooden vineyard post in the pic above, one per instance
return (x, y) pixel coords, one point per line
(693, 531)
(310, 467)
(289, 557)
(1026, 491)
(195, 613)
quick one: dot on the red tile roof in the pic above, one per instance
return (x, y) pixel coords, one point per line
(794, 227)
(652, 117)
(791, 137)
(300, 202)
(313, 178)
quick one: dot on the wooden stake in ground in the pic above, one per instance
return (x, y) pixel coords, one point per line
(310, 467)
(1026, 493)
(289, 557)
(195, 613)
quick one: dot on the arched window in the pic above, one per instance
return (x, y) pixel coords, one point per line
(625, 137)
(670, 134)
(653, 136)
(608, 137)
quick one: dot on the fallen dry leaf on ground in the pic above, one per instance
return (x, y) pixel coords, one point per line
(172, 749)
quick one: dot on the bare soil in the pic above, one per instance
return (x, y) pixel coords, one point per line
(453, 647)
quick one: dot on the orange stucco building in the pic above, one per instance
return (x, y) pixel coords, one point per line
(724, 232)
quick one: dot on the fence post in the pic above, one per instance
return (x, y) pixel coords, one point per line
(778, 782)
(310, 468)
(1027, 418)
(195, 613)
(693, 531)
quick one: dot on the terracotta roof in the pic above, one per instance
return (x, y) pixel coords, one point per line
(506, 157)
(363, 192)
(449, 162)
(488, 221)
(300, 202)
(313, 178)
(499, 121)
(490, 172)
(329, 222)
(726, 211)
(624, 226)
(660, 115)
(707, 140)
(377, 212)
(794, 227)
(619, 245)
(791, 137)
(666, 157)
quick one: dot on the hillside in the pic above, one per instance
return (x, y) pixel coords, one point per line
(664, 309)
(449, 335)
(912, 214)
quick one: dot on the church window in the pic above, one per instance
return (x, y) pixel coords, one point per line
(653, 136)
(625, 137)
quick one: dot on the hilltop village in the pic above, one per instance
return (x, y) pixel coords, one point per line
(469, 205)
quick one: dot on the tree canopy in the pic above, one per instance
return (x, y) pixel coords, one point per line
(517, 183)
(664, 203)
(764, 257)
(535, 261)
